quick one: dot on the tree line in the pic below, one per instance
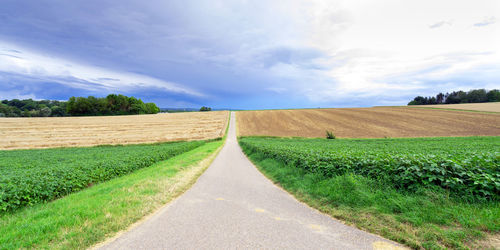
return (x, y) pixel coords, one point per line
(472, 96)
(77, 106)
(32, 108)
(109, 105)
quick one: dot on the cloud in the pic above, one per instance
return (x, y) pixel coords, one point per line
(46, 68)
(390, 79)
(486, 21)
(440, 24)
(247, 54)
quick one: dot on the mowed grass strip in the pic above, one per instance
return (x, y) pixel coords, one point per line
(83, 219)
(29, 177)
(420, 216)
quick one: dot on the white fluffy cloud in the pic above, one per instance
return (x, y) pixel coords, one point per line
(22, 61)
(386, 47)
(309, 52)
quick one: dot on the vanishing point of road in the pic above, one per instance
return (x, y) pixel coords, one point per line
(233, 206)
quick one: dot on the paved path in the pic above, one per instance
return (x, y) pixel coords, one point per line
(233, 206)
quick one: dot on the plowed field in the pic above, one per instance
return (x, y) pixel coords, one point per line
(375, 122)
(488, 106)
(23, 133)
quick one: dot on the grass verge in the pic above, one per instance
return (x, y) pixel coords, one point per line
(83, 219)
(426, 218)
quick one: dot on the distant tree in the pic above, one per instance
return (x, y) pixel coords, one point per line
(45, 112)
(205, 108)
(493, 95)
(432, 100)
(16, 103)
(151, 108)
(57, 111)
(456, 97)
(472, 96)
(477, 95)
(31, 105)
(462, 96)
(440, 98)
(80, 106)
(136, 106)
(33, 113)
(77, 106)
(6, 110)
(419, 100)
(110, 105)
(71, 105)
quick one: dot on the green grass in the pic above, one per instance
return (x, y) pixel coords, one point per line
(425, 216)
(84, 218)
(29, 177)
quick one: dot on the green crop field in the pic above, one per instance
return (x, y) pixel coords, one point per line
(423, 192)
(28, 177)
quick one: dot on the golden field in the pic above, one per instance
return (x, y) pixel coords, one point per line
(48, 132)
(377, 122)
(487, 107)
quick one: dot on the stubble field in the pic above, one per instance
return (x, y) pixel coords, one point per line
(25, 133)
(485, 107)
(378, 122)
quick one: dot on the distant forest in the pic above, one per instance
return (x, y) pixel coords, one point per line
(77, 106)
(472, 96)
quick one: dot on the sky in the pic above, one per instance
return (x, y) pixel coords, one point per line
(249, 54)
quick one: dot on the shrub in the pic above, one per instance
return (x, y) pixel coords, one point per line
(330, 135)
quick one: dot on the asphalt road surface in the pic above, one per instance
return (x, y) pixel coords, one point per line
(233, 206)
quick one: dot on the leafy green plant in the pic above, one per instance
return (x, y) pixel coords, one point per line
(426, 193)
(468, 166)
(28, 177)
(82, 219)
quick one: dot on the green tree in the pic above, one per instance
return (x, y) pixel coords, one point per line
(440, 98)
(45, 112)
(477, 95)
(57, 111)
(151, 108)
(493, 95)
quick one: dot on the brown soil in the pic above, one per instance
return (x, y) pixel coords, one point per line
(375, 122)
(23, 133)
(492, 241)
(487, 107)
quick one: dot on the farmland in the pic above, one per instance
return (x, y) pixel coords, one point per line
(25, 133)
(28, 177)
(378, 122)
(82, 219)
(423, 192)
(464, 166)
(485, 107)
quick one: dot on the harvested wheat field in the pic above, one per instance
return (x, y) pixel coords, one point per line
(24, 133)
(486, 107)
(375, 122)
